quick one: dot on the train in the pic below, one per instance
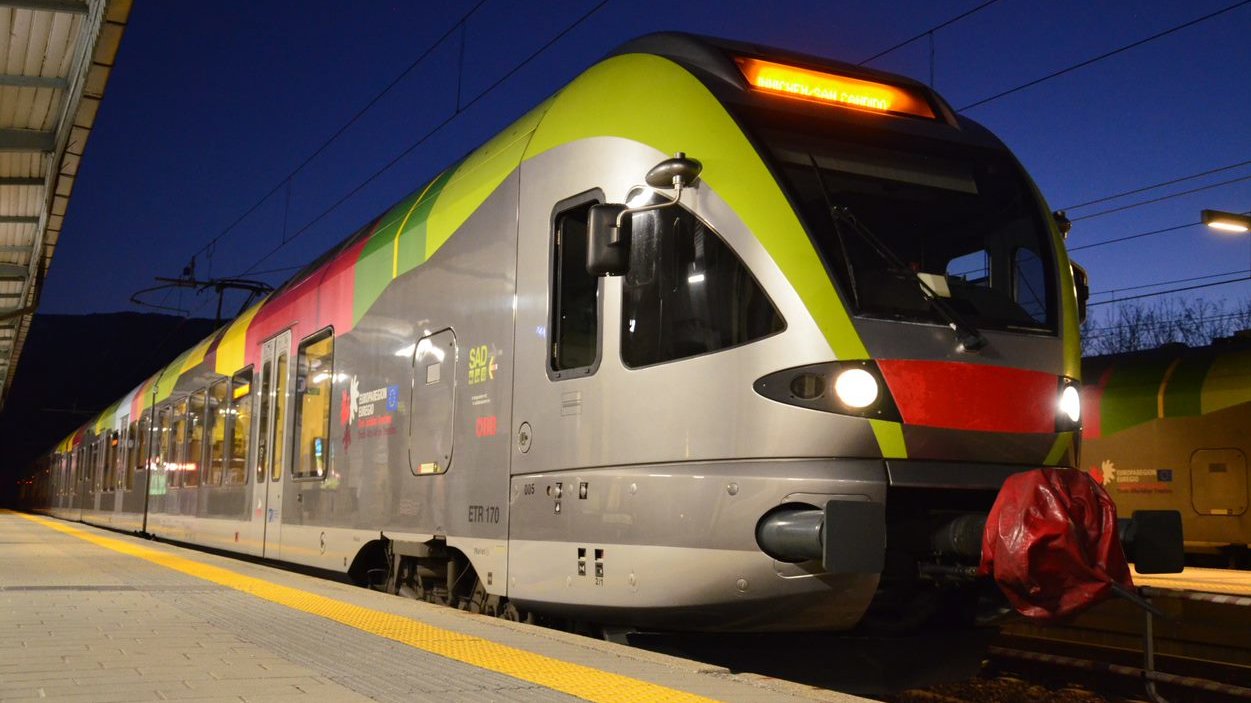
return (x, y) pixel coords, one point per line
(718, 337)
(1166, 429)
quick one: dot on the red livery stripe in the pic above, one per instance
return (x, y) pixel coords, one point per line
(960, 396)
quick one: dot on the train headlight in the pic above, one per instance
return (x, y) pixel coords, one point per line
(847, 387)
(856, 388)
(1069, 415)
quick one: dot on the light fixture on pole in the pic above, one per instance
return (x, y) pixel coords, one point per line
(1226, 221)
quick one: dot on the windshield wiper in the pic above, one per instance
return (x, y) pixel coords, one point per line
(968, 336)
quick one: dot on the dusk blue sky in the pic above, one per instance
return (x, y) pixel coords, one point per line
(209, 108)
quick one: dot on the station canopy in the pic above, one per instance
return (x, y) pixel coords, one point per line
(55, 59)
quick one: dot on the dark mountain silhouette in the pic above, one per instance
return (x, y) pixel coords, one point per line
(74, 366)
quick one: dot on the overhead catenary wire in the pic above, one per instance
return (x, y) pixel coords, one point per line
(430, 133)
(1139, 235)
(1105, 55)
(1113, 291)
(1153, 186)
(1162, 198)
(928, 32)
(1171, 290)
(285, 180)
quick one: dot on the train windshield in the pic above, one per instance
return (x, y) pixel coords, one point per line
(888, 222)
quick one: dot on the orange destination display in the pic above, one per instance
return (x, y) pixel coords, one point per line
(831, 88)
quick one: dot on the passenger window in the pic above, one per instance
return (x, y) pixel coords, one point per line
(313, 391)
(193, 463)
(280, 415)
(687, 293)
(239, 428)
(574, 324)
(1029, 285)
(215, 419)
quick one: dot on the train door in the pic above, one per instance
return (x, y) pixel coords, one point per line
(433, 405)
(271, 442)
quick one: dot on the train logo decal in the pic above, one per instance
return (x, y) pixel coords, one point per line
(371, 411)
(1133, 480)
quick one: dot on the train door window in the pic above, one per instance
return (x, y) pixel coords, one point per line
(1218, 481)
(687, 293)
(178, 458)
(139, 436)
(280, 414)
(239, 428)
(111, 440)
(574, 323)
(433, 407)
(134, 457)
(262, 436)
(215, 429)
(160, 466)
(97, 468)
(193, 463)
(123, 447)
(1029, 283)
(314, 379)
(93, 469)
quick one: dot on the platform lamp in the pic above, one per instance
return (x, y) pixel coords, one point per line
(1226, 222)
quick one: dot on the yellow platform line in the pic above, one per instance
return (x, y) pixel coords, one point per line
(574, 679)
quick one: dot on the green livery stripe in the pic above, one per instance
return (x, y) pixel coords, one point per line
(671, 111)
(1228, 382)
(1184, 393)
(105, 420)
(1063, 442)
(890, 439)
(478, 175)
(1132, 394)
(374, 268)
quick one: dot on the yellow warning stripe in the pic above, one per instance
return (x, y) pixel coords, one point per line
(574, 679)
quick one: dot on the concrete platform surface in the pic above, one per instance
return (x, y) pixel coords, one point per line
(95, 616)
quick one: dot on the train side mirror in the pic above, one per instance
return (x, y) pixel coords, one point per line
(608, 240)
(1081, 280)
(608, 226)
(1153, 541)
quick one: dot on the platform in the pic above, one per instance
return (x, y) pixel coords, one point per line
(92, 615)
(1217, 581)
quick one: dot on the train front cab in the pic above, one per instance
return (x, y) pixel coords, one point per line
(759, 352)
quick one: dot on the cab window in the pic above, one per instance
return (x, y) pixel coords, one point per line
(687, 293)
(574, 324)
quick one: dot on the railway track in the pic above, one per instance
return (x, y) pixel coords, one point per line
(1202, 653)
(1199, 652)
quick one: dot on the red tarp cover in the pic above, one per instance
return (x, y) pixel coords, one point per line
(1051, 543)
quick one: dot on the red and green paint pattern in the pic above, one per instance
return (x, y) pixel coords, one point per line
(1128, 390)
